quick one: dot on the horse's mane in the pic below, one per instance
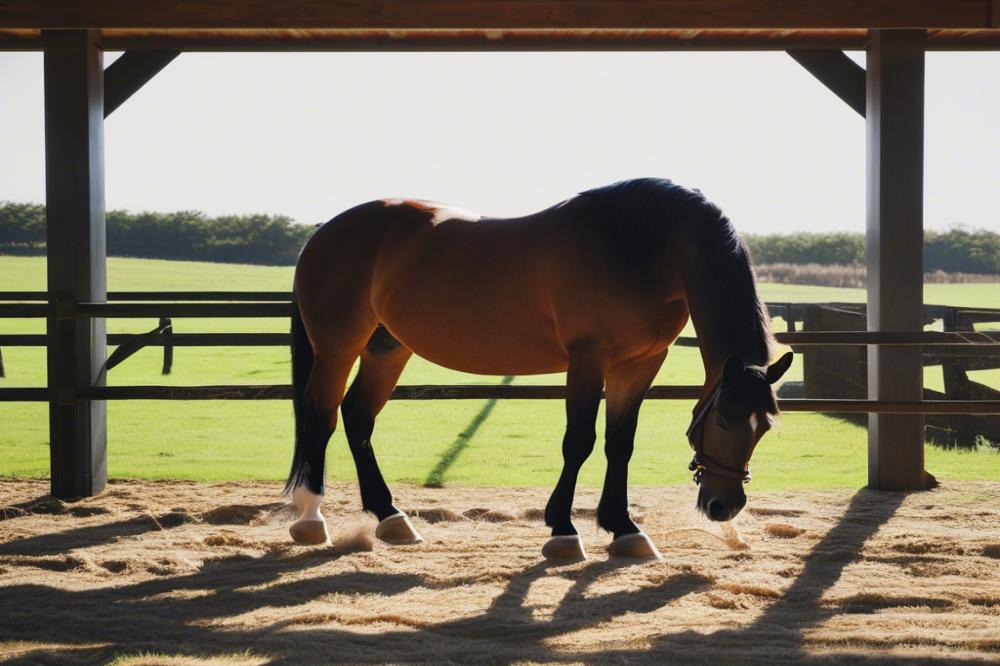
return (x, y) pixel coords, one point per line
(640, 216)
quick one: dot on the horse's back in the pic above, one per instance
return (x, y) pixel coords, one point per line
(482, 295)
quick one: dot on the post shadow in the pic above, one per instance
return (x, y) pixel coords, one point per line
(436, 477)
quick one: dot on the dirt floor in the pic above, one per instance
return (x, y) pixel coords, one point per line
(179, 573)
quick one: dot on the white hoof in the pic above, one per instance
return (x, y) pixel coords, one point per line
(397, 530)
(634, 546)
(309, 532)
(564, 549)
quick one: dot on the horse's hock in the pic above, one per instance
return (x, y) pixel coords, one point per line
(841, 372)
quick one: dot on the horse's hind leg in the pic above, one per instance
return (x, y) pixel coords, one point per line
(382, 362)
(317, 419)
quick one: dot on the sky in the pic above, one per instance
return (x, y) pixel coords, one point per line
(310, 134)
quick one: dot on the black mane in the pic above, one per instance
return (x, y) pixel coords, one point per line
(640, 216)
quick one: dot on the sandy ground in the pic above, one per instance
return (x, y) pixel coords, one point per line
(180, 573)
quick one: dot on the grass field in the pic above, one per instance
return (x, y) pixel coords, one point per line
(453, 442)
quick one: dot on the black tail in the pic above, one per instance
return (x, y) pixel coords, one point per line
(308, 420)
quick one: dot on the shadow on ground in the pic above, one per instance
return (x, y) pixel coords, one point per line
(198, 613)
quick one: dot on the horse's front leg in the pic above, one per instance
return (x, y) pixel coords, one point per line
(627, 386)
(584, 382)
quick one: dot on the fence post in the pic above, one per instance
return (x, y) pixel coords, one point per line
(75, 238)
(894, 238)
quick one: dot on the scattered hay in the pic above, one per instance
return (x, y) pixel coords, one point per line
(353, 537)
(783, 530)
(732, 537)
(767, 512)
(488, 515)
(184, 573)
(234, 514)
(437, 515)
(533, 514)
(225, 538)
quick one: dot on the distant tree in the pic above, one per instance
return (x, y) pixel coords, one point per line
(191, 235)
(277, 239)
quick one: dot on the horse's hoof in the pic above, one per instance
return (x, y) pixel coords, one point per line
(634, 546)
(397, 530)
(309, 532)
(564, 549)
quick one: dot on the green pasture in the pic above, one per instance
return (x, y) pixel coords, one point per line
(473, 442)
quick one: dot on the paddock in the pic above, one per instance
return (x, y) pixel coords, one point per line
(177, 572)
(154, 572)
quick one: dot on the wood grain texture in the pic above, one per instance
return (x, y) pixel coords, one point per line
(76, 262)
(497, 14)
(894, 239)
(400, 40)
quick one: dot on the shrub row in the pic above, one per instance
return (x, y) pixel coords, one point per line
(275, 239)
(958, 250)
(849, 275)
(251, 239)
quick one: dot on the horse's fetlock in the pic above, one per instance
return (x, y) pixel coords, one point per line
(611, 519)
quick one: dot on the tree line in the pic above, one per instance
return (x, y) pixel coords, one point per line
(190, 235)
(957, 250)
(277, 239)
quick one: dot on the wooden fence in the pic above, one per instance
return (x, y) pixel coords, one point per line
(218, 304)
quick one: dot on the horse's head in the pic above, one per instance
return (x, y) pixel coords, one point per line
(726, 427)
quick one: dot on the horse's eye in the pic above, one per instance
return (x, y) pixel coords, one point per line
(721, 422)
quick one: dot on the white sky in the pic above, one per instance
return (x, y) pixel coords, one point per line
(309, 135)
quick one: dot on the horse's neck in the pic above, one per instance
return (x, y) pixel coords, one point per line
(724, 305)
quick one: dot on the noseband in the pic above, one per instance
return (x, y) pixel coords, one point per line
(700, 462)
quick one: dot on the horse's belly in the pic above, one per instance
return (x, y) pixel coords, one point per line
(477, 320)
(471, 339)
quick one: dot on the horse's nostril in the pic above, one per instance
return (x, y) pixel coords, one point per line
(717, 510)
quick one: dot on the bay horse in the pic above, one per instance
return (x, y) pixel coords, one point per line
(597, 286)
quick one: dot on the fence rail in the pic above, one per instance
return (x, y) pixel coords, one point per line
(226, 304)
(492, 391)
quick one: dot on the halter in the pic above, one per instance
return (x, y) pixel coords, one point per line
(700, 462)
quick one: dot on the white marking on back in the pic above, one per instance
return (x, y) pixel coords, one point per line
(439, 212)
(443, 212)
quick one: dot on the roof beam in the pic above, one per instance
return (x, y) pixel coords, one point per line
(497, 14)
(283, 40)
(125, 76)
(834, 69)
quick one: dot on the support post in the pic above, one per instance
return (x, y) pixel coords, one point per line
(895, 158)
(76, 242)
(834, 69)
(134, 69)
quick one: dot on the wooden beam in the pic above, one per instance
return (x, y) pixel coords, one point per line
(125, 76)
(834, 69)
(661, 40)
(75, 238)
(895, 158)
(496, 14)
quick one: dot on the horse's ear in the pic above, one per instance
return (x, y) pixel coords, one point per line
(733, 369)
(779, 368)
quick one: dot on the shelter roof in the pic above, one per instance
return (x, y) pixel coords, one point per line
(499, 24)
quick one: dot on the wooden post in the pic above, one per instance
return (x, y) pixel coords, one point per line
(895, 157)
(75, 238)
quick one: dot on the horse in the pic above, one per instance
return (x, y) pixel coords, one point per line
(597, 286)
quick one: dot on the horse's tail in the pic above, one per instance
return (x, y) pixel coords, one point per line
(305, 409)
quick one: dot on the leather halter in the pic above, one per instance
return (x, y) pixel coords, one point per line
(700, 462)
